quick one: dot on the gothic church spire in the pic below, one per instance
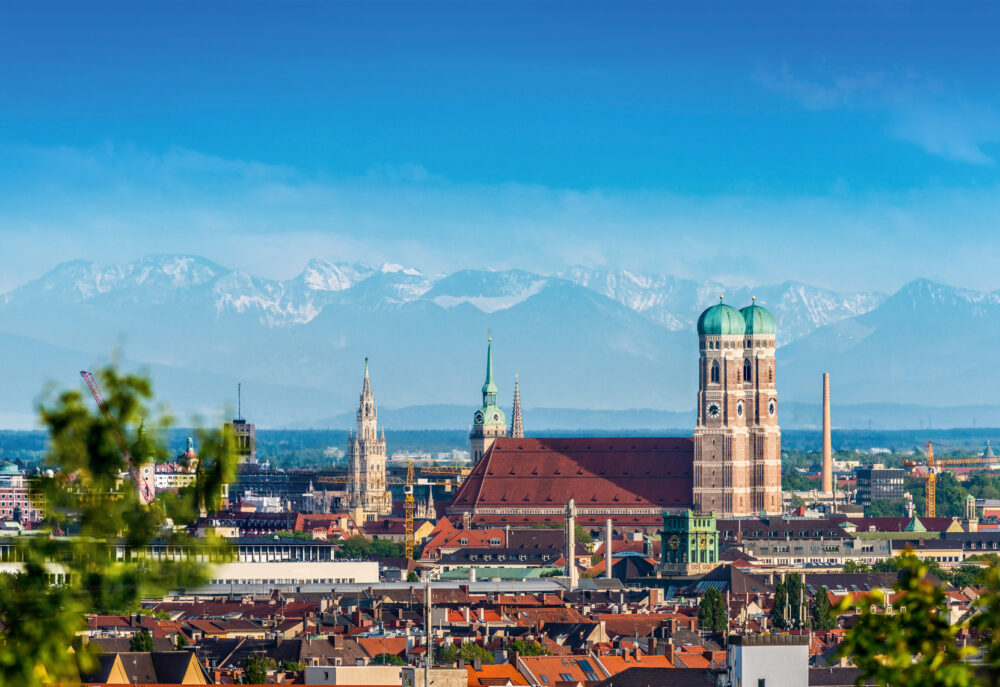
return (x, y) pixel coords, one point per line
(516, 427)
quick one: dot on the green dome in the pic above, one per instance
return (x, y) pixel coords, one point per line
(9, 469)
(759, 320)
(721, 319)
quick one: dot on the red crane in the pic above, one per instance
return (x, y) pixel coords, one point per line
(146, 493)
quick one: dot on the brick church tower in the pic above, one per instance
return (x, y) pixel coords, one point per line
(737, 442)
(762, 409)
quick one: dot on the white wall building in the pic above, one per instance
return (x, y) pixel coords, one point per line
(768, 661)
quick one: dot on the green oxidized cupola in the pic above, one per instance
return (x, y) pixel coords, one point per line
(721, 320)
(759, 320)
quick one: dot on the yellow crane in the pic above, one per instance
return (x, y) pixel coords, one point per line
(933, 466)
(408, 502)
(446, 470)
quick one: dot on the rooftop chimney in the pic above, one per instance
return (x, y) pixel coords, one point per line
(827, 443)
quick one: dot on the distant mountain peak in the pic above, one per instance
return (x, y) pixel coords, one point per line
(393, 268)
(322, 275)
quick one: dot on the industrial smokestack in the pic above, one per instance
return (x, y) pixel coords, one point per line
(607, 549)
(827, 443)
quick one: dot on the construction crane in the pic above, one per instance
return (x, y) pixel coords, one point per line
(409, 505)
(933, 466)
(142, 486)
(446, 470)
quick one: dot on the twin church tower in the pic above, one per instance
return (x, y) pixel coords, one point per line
(737, 441)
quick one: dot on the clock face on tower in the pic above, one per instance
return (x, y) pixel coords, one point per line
(675, 541)
(713, 410)
(496, 417)
(479, 417)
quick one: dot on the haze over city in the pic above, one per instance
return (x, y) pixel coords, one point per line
(419, 343)
(595, 169)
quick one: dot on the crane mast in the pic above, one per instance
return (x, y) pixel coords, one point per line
(933, 466)
(145, 492)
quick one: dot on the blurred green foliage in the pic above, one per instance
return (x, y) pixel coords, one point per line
(96, 530)
(916, 644)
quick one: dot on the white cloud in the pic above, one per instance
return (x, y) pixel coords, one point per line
(918, 110)
(116, 204)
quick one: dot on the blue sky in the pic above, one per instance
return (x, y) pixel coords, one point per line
(851, 145)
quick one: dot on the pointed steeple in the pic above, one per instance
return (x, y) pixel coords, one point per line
(516, 428)
(489, 387)
(367, 388)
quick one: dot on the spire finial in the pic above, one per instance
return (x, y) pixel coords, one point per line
(721, 297)
(753, 299)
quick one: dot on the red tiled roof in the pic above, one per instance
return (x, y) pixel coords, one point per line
(374, 646)
(616, 664)
(595, 472)
(498, 674)
(554, 667)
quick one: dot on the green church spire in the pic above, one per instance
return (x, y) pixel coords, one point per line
(490, 387)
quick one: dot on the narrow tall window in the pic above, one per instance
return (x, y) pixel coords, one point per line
(715, 371)
(747, 370)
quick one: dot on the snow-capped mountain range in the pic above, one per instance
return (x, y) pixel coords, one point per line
(580, 338)
(674, 303)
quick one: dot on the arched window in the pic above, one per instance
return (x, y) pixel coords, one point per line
(747, 370)
(715, 371)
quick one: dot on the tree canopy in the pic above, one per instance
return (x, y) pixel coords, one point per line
(361, 547)
(141, 641)
(90, 511)
(255, 667)
(916, 644)
(712, 613)
(385, 659)
(822, 617)
(788, 611)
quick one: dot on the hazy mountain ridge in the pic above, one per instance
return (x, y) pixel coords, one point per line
(672, 302)
(676, 303)
(608, 340)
